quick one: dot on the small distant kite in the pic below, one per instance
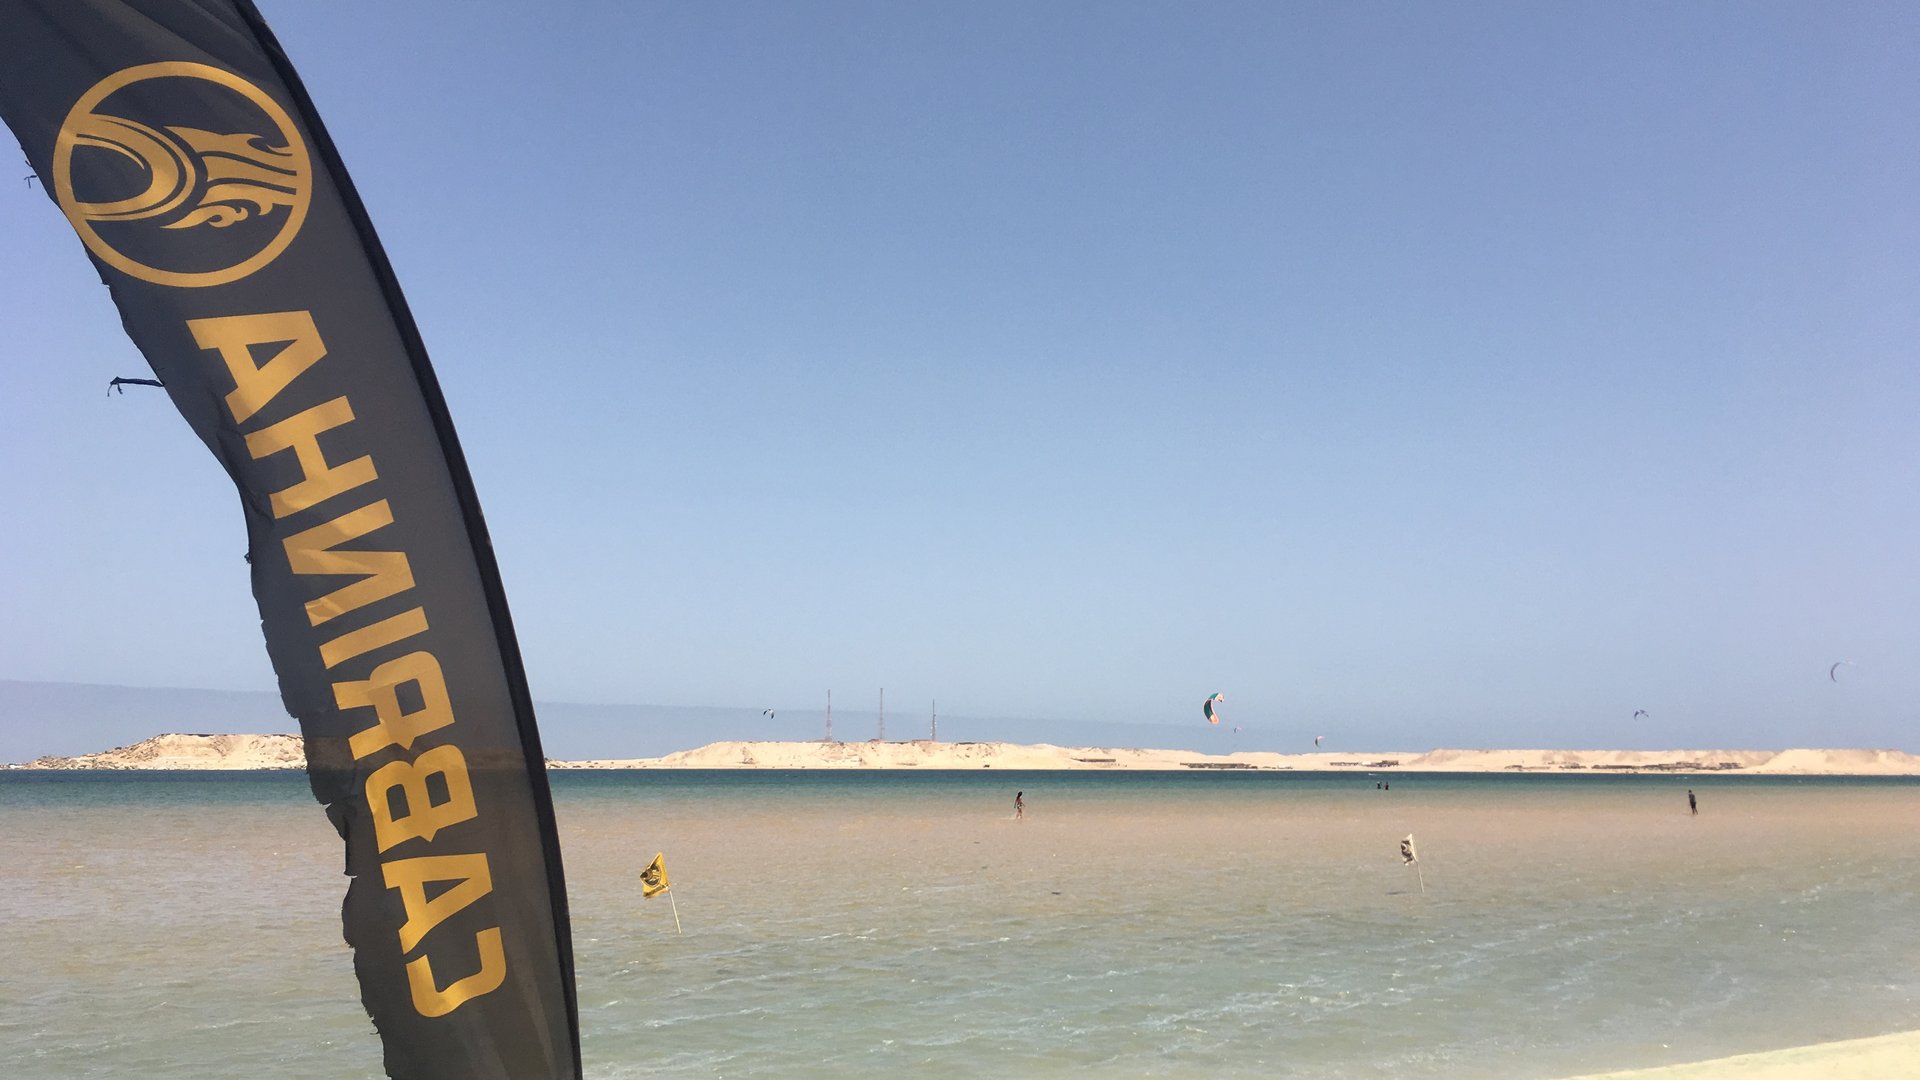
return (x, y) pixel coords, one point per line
(1207, 710)
(1316, 741)
(768, 713)
(1834, 671)
(1638, 713)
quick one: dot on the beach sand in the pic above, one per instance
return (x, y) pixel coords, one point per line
(1854, 1059)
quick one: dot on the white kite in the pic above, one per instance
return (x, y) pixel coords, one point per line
(1408, 857)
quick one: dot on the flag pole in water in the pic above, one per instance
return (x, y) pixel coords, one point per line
(1408, 857)
(653, 882)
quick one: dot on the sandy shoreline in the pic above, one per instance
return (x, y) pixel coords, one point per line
(929, 755)
(247, 752)
(1854, 1059)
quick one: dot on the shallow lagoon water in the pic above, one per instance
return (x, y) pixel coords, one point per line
(1134, 924)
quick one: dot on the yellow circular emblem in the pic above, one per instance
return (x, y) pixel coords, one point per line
(203, 184)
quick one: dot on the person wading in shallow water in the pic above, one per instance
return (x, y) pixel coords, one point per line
(1692, 803)
(1019, 805)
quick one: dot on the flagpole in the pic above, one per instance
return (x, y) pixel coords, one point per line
(676, 910)
(1412, 858)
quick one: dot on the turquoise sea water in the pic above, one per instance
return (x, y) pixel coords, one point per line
(894, 924)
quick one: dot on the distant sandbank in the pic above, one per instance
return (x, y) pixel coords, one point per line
(244, 752)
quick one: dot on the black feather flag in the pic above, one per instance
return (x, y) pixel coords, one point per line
(177, 140)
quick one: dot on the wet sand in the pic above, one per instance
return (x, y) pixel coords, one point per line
(1855, 1059)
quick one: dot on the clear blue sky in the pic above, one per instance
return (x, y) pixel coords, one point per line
(1430, 374)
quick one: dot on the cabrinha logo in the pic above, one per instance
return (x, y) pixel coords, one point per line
(211, 191)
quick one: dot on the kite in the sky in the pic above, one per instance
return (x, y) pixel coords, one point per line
(768, 713)
(1207, 710)
(1638, 713)
(1834, 671)
(1316, 741)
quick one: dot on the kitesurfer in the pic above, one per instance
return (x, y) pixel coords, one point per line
(1019, 805)
(1693, 805)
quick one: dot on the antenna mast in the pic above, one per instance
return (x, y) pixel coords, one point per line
(933, 735)
(883, 715)
(829, 716)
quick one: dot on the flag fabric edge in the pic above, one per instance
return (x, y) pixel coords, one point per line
(328, 158)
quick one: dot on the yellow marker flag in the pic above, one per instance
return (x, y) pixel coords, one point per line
(653, 880)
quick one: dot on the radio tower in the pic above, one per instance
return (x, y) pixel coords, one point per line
(883, 715)
(933, 733)
(829, 716)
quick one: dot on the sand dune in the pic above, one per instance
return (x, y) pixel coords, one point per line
(929, 755)
(230, 752)
(285, 752)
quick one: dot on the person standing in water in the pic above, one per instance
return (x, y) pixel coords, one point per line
(1019, 805)
(1693, 805)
